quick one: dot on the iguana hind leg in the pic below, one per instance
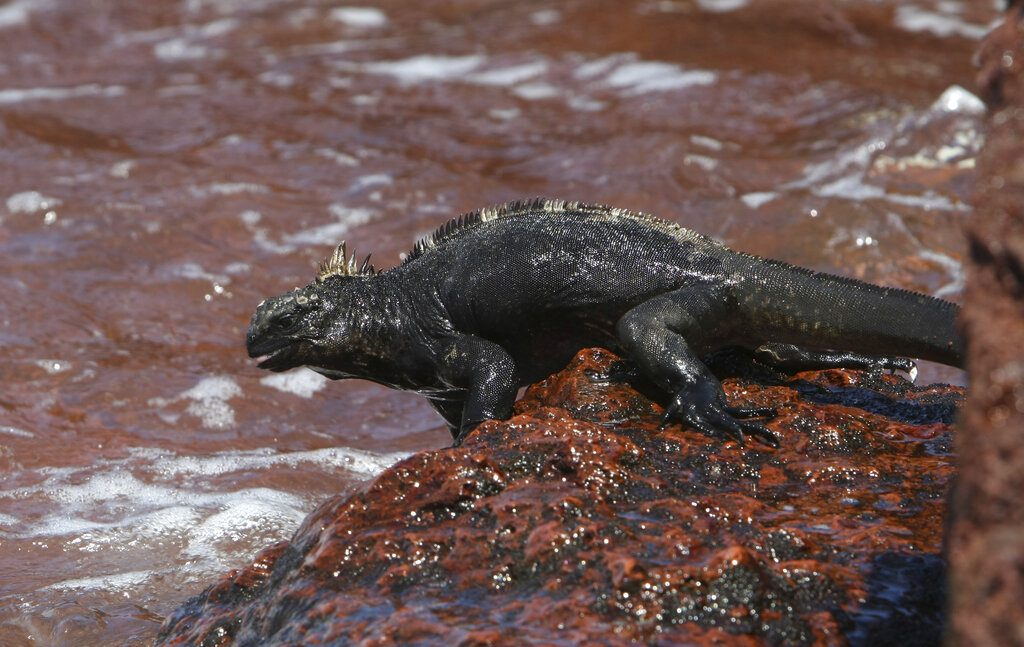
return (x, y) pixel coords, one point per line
(664, 336)
(793, 359)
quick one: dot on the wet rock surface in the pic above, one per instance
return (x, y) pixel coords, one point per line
(577, 520)
(987, 540)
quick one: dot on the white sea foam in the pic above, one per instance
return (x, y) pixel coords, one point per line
(331, 233)
(181, 90)
(508, 76)
(365, 99)
(186, 48)
(599, 66)
(755, 200)
(425, 67)
(338, 157)
(639, 77)
(722, 6)
(175, 516)
(356, 461)
(545, 17)
(504, 114)
(322, 235)
(301, 382)
(262, 239)
(125, 502)
(261, 236)
(703, 161)
(241, 519)
(707, 142)
(16, 12)
(586, 104)
(215, 28)
(632, 77)
(122, 169)
(193, 271)
(277, 79)
(228, 188)
(364, 17)
(210, 529)
(180, 49)
(233, 188)
(10, 96)
(208, 401)
(53, 366)
(110, 582)
(14, 431)
(360, 183)
(31, 202)
(536, 91)
(250, 217)
(914, 18)
(526, 79)
(170, 523)
(157, 494)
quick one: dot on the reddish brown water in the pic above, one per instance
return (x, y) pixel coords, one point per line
(168, 164)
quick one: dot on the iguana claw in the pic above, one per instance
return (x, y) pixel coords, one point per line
(715, 418)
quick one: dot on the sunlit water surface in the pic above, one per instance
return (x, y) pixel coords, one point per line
(167, 164)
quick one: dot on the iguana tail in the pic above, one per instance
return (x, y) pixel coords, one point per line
(813, 309)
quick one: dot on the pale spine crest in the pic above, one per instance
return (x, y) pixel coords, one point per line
(340, 263)
(466, 221)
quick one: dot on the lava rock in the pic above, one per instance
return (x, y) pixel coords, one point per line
(987, 539)
(577, 521)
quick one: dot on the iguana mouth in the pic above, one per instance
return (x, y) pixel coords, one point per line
(279, 360)
(274, 359)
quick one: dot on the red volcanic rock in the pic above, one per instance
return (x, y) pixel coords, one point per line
(987, 539)
(578, 522)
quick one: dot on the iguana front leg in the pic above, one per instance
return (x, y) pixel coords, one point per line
(660, 335)
(488, 375)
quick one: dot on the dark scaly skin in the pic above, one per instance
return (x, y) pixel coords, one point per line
(506, 296)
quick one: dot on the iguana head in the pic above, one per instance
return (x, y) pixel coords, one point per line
(322, 325)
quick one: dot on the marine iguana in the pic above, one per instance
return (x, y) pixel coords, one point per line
(501, 297)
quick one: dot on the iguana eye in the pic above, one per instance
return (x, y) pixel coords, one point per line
(285, 321)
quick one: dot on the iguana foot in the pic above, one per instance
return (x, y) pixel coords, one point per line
(709, 414)
(793, 359)
(894, 364)
(619, 371)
